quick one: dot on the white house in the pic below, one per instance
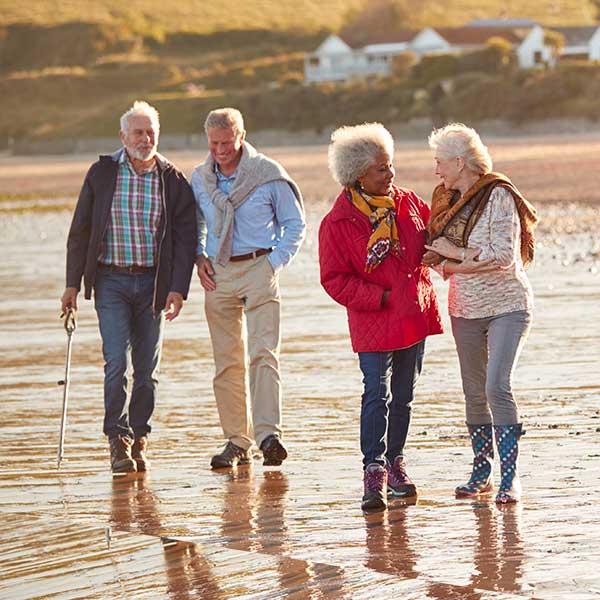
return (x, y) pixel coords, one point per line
(339, 60)
(532, 51)
(429, 41)
(580, 42)
(527, 42)
(333, 60)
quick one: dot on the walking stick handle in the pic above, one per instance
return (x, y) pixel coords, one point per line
(70, 320)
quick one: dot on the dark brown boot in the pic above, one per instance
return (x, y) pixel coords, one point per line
(230, 456)
(274, 452)
(138, 453)
(120, 455)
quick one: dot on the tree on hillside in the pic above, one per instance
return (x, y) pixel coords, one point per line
(497, 56)
(402, 64)
(555, 41)
(502, 49)
(381, 18)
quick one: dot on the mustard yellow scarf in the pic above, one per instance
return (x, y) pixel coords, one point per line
(381, 211)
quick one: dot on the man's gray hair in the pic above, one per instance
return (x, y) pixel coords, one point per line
(225, 118)
(456, 139)
(354, 149)
(140, 108)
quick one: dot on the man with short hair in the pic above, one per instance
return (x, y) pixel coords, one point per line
(132, 239)
(250, 225)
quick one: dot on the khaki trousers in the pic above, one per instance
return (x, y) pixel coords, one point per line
(243, 315)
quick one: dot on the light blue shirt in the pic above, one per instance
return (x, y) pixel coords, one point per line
(271, 217)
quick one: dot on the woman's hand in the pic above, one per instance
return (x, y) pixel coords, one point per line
(471, 265)
(446, 248)
(431, 258)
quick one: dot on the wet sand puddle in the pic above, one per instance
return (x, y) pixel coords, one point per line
(183, 531)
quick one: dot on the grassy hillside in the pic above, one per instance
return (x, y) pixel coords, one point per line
(185, 15)
(311, 15)
(68, 69)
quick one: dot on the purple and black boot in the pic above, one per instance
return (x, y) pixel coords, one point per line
(375, 487)
(399, 483)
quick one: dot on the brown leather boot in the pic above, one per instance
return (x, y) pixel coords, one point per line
(230, 456)
(120, 455)
(138, 453)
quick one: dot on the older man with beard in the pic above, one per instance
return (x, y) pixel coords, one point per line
(133, 240)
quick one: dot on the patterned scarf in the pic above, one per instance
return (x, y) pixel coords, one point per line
(381, 211)
(454, 216)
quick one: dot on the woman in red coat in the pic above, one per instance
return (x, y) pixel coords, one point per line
(370, 249)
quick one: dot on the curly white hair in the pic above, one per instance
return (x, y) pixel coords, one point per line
(353, 149)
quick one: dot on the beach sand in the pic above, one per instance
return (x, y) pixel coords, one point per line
(184, 531)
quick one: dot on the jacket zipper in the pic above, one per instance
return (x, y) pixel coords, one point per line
(159, 245)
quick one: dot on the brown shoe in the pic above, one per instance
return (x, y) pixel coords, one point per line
(120, 455)
(231, 456)
(138, 453)
(274, 452)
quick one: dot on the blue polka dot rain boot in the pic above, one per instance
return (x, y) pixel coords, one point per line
(482, 441)
(507, 442)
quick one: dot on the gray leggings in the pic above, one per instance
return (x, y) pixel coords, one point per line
(488, 350)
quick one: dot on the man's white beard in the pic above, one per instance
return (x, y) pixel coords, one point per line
(140, 154)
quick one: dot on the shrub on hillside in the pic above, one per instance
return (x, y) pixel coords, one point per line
(476, 96)
(433, 67)
(403, 64)
(550, 94)
(494, 58)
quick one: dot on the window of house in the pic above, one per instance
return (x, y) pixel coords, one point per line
(537, 57)
(314, 61)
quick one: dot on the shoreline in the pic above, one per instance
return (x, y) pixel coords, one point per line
(550, 167)
(410, 132)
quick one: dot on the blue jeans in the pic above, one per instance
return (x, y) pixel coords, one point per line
(389, 379)
(130, 333)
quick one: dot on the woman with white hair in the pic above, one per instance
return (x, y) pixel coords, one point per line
(370, 248)
(481, 236)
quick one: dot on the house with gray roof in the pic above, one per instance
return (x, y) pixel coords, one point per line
(360, 54)
(580, 42)
(338, 59)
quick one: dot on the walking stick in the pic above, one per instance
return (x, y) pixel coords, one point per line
(70, 327)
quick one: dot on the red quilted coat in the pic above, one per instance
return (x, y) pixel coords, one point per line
(411, 311)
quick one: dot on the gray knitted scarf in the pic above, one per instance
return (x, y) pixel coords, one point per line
(253, 171)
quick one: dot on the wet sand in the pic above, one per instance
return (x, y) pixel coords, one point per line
(184, 531)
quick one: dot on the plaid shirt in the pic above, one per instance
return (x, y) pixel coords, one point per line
(130, 237)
